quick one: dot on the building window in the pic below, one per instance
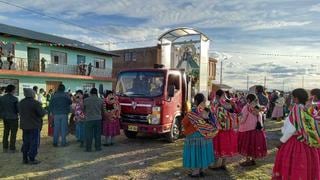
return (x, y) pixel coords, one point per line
(88, 86)
(174, 80)
(4, 82)
(81, 58)
(130, 56)
(58, 57)
(100, 63)
(212, 69)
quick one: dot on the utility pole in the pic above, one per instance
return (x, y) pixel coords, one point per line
(265, 82)
(221, 64)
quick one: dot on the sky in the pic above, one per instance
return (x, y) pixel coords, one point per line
(276, 39)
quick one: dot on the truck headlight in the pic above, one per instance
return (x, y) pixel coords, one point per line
(154, 118)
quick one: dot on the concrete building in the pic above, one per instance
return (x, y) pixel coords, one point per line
(45, 61)
(146, 57)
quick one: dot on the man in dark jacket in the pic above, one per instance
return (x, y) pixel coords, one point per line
(9, 113)
(93, 108)
(59, 106)
(31, 114)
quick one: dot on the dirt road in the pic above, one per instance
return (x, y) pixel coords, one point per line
(141, 158)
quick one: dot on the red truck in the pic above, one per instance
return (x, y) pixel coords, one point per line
(153, 101)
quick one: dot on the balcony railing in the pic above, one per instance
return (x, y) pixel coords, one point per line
(22, 64)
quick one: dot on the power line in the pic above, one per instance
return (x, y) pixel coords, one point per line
(76, 25)
(268, 54)
(51, 17)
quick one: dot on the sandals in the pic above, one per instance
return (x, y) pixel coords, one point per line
(218, 168)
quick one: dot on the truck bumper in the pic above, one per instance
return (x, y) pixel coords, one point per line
(144, 128)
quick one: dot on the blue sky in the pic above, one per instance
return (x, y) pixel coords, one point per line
(251, 34)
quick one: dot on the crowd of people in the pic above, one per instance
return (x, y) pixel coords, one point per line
(234, 124)
(85, 69)
(91, 116)
(9, 57)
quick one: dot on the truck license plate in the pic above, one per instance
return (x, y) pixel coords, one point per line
(132, 128)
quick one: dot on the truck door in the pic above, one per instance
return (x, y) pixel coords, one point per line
(174, 103)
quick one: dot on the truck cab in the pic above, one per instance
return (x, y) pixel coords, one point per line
(153, 101)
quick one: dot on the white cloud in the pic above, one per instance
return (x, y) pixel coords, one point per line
(262, 25)
(2, 18)
(136, 33)
(74, 29)
(315, 8)
(94, 41)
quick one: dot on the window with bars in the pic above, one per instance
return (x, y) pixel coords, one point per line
(100, 63)
(59, 57)
(130, 56)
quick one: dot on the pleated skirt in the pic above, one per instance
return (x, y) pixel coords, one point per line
(197, 151)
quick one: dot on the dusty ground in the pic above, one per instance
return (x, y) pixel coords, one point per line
(142, 158)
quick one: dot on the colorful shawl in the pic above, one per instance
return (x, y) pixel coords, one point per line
(305, 125)
(225, 120)
(206, 129)
(314, 110)
(78, 112)
(112, 106)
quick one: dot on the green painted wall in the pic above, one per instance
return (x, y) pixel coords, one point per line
(73, 84)
(21, 47)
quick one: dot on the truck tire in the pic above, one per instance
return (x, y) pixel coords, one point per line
(175, 132)
(130, 134)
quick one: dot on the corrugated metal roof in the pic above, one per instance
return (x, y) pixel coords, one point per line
(47, 38)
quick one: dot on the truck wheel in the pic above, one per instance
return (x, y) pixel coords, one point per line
(174, 134)
(130, 134)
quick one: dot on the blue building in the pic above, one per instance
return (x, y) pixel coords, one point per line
(44, 60)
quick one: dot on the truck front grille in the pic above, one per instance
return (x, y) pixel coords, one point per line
(133, 118)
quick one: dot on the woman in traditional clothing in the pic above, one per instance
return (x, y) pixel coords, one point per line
(225, 143)
(314, 105)
(111, 123)
(314, 109)
(79, 117)
(297, 157)
(198, 149)
(251, 137)
(277, 112)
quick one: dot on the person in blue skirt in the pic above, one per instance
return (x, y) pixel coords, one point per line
(199, 130)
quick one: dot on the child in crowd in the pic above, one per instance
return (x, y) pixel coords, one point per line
(79, 117)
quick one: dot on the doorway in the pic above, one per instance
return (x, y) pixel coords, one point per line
(33, 59)
(52, 85)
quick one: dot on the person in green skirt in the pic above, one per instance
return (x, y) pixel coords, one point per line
(199, 130)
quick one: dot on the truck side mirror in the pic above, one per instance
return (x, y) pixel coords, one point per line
(171, 90)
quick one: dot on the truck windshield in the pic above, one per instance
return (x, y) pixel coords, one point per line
(140, 84)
